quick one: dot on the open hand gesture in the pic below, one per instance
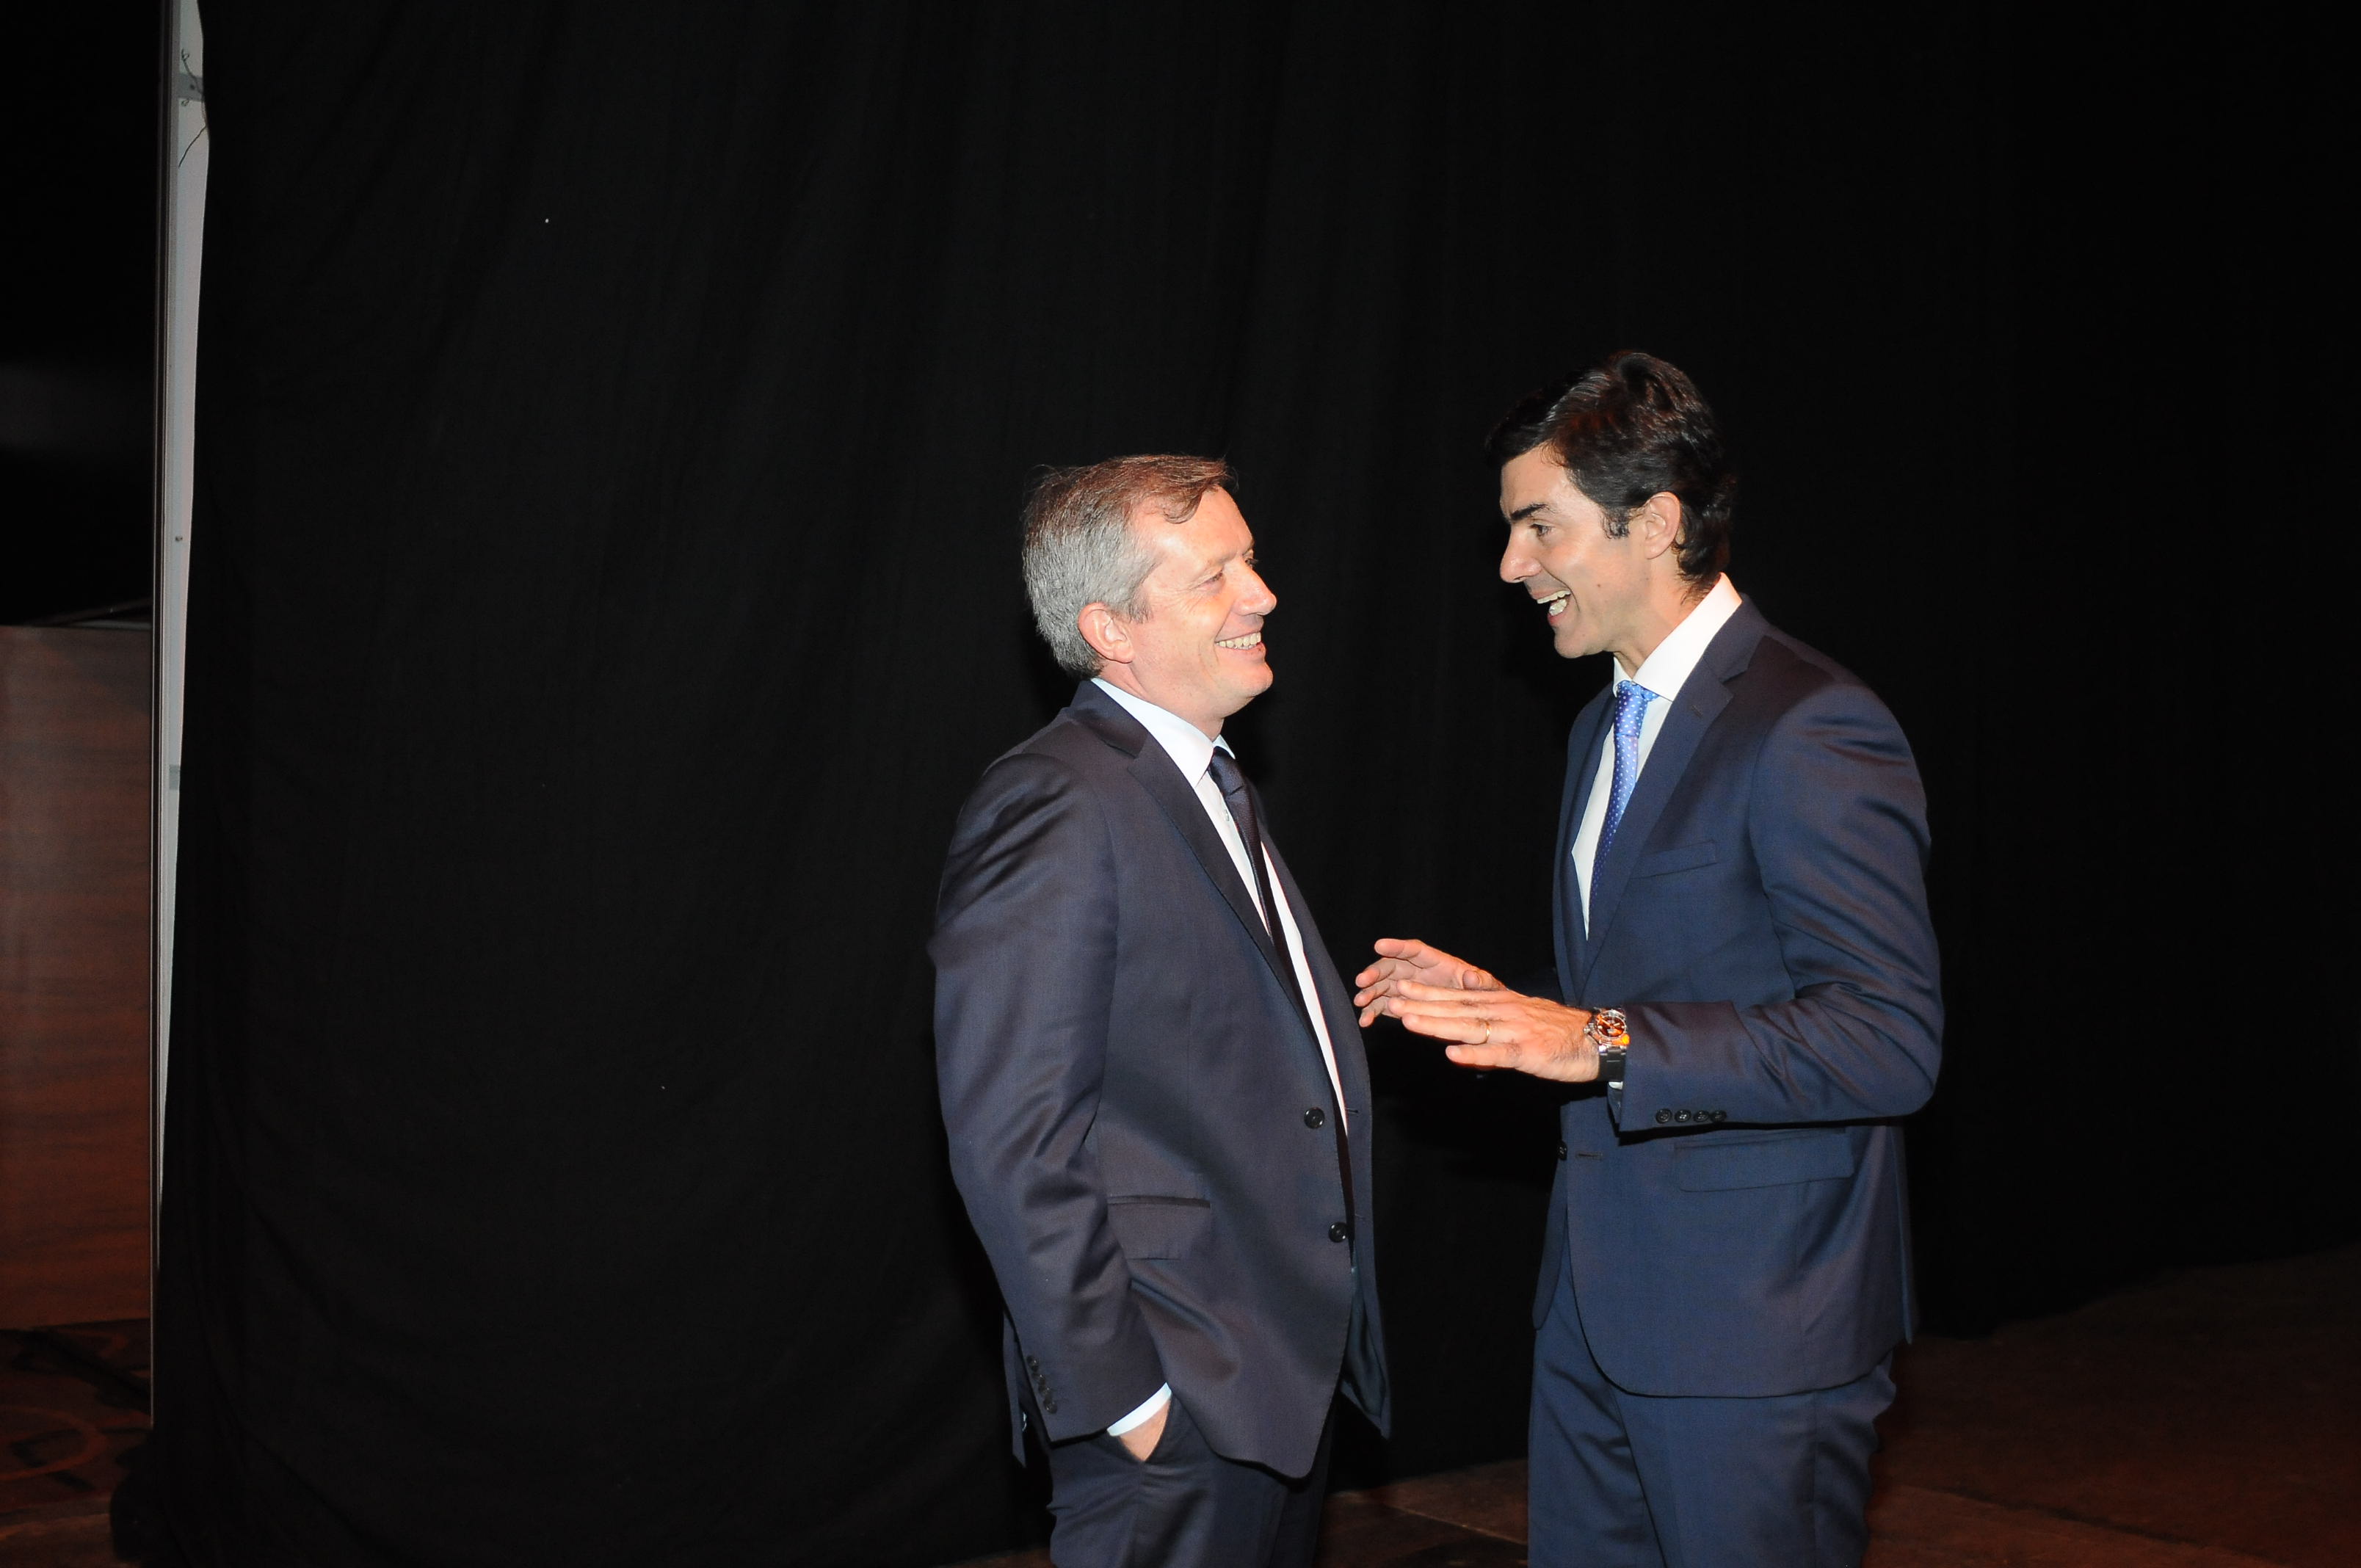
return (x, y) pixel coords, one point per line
(1407, 960)
(1482, 1022)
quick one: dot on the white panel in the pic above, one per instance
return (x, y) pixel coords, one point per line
(187, 153)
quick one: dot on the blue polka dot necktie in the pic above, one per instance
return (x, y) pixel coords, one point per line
(1631, 701)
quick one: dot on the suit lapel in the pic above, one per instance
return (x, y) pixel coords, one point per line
(1703, 696)
(1581, 771)
(1165, 785)
(1153, 767)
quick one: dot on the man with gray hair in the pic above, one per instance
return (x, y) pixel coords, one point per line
(1150, 1070)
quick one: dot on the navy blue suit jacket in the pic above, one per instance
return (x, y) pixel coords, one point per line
(1734, 1217)
(1129, 1083)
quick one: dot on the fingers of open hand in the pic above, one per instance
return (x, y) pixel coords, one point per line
(1377, 982)
(1448, 1020)
(1488, 1001)
(1507, 1054)
(1396, 957)
(1390, 977)
(1522, 1033)
(1406, 957)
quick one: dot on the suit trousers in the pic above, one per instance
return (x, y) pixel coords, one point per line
(1625, 1480)
(1184, 1506)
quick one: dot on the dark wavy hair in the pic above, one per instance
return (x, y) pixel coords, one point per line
(1626, 430)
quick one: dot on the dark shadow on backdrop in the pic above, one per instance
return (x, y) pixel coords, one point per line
(78, 233)
(612, 423)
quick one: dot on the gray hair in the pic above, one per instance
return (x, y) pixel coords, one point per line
(1081, 548)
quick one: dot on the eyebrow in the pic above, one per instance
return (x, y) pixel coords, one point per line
(1525, 511)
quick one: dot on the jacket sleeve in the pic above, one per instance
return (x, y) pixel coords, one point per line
(1025, 955)
(1837, 822)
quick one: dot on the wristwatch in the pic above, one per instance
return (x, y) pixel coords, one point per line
(1611, 1034)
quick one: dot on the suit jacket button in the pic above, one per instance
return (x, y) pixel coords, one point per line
(1049, 1407)
(1032, 1363)
(1315, 1117)
(1721, 1115)
(1680, 1116)
(1340, 1232)
(1561, 1148)
(1664, 1116)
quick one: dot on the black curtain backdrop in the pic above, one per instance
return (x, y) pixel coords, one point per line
(613, 422)
(78, 164)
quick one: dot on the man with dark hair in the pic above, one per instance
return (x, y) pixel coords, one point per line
(1745, 994)
(1157, 1105)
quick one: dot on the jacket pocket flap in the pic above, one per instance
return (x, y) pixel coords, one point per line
(1158, 1227)
(1703, 1166)
(1681, 858)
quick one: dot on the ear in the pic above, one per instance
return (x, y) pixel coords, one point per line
(1105, 630)
(1658, 523)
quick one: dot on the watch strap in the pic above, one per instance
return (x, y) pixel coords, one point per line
(1611, 1036)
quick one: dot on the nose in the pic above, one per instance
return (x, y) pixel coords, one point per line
(1516, 564)
(1259, 600)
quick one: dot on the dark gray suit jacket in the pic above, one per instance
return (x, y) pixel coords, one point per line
(1140, 1120)
(1735, 1218)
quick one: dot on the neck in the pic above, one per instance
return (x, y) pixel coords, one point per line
(1668, 604)
(1121, 675)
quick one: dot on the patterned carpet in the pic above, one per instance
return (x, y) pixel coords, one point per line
(71, 1400)
(2210, 1418)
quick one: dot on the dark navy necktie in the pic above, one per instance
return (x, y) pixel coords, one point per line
(1231, 780)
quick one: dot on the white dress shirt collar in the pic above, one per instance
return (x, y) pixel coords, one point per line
(1191, 749)
(1666, 670)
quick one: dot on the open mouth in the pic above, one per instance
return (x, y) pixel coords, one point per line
(1555, 606)
(1251, 640)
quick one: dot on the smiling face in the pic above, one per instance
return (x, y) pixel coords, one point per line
(1198, 651)
(1595, 589)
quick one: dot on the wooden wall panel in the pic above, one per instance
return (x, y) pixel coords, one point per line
(73, 975)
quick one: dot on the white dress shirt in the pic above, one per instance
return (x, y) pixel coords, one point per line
(1664, 672)
(1192, 751)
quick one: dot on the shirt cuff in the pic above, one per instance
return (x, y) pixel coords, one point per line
(1141, 1417)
